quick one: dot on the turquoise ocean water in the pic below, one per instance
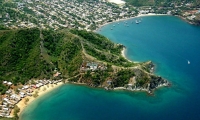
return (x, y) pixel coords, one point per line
(166, 40)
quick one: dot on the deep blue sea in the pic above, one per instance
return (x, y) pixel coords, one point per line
(166, 40)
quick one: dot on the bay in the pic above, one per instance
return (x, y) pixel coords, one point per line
(166, 40)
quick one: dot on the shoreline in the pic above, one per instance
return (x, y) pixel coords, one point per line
(188, 21)
(21, 104)
(119, 20)
(167, 84)
(124, 55)
(123, 19)
(41, 91)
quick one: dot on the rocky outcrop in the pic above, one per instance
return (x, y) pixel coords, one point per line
(140, 78)
(157, 81)
(145, 79)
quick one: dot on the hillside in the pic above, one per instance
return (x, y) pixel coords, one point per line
(93, 59)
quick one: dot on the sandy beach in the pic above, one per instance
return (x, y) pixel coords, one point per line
(150, 14)
(123, 54)
(139, 15)
(41, 91)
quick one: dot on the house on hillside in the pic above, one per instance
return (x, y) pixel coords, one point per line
(92, 66)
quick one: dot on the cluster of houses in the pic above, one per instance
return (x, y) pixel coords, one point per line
(61, 13)
(15, 94)
(190, 15)
(75, 14)
(92, 66)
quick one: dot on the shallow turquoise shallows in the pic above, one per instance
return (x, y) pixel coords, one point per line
(171, 43)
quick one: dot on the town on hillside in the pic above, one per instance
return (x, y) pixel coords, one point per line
(88, 14)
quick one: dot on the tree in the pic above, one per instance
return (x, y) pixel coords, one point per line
(26, 100)
(16, 89)
(16, 111)
(35, 94)
(44, 89)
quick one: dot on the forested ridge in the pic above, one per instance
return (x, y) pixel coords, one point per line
(36, 54)
(31, 53)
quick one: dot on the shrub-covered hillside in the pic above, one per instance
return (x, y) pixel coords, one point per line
(31, 53)
(34, 53)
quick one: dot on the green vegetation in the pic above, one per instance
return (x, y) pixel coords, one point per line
(26, 100)
(16, 110)
(34, 53)
(103, 49)
(19, 51)
(28, 54)
(122, 77)
(3, 118)
(3, 28)
(35, 94)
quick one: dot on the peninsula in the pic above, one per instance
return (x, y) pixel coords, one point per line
(32, 58)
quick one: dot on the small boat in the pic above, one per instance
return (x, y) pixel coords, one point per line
(136, 22)
(188, 62)
(110, 28)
